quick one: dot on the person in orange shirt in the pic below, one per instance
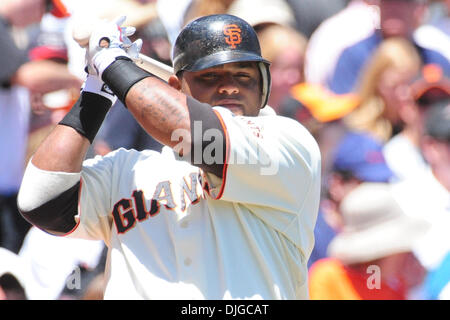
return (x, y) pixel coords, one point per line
(372, 257)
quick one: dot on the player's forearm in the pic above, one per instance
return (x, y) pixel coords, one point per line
(167, 114)
(173, 118)
(63, 150)
(160, 110)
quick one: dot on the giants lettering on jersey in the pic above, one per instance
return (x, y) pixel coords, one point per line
(128, 211)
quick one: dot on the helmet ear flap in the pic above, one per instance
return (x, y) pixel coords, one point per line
(265, 82)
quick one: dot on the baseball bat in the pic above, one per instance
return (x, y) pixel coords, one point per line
(159, 69)
(82, 32)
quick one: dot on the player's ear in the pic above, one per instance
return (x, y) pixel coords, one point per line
(174, 82)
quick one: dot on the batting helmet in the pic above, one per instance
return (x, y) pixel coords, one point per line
(219, 39)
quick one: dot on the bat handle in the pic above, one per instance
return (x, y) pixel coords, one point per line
(155, 67)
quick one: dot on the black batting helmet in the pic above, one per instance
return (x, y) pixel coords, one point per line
(219, 39)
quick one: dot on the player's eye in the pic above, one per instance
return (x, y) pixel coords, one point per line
(245, 79)
(243, 75)
(210, 76)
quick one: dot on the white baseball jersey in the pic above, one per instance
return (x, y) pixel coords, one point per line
(175, 232)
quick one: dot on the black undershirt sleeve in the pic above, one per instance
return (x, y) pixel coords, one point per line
(208, 138)
(56, 216)
(207, 152)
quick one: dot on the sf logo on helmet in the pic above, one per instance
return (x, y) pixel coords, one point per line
(233, 35)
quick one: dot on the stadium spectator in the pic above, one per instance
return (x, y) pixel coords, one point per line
(376, 111)
(22, 75)
(434, 250)
(426, 194)
(13, 276)
(371, 258)
(348, 26)
(309, 14)
(356, 159)
(398, 18)
(56, 263)
(402, 151)
(284, 47)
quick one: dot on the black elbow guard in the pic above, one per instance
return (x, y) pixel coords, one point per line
(57, 215)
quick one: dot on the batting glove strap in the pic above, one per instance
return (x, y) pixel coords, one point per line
(87, 114)
(122, 75)
(95, 85)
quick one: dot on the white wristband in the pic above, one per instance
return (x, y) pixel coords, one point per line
(105, 57)
(94, 85)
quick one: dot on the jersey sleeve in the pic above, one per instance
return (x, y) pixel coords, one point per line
(100, 180)
(93, 220)
(272, 167)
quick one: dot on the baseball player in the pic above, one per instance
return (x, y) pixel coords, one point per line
(225, 211)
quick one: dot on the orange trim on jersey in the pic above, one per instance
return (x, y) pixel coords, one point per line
(225, 165)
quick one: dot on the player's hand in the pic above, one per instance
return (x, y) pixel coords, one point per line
(109, 41)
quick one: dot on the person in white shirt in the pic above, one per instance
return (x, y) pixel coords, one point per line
(402, 152)
(347, 27)
(427, 194)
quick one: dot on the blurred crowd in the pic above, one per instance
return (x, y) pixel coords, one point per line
(368, 78)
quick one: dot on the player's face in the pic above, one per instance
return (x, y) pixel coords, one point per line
(236, 86)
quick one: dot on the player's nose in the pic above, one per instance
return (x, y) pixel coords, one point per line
(228, 86)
